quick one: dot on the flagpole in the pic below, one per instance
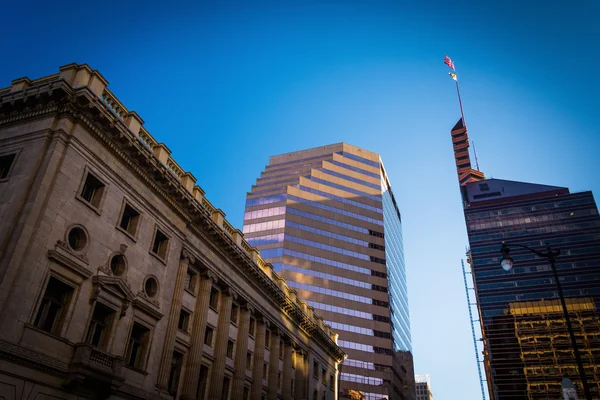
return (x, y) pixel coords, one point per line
(462, 113)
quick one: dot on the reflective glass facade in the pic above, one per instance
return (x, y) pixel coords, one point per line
(334, 232)
(527, 349)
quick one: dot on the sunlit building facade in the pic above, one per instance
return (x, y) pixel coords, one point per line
(120, 280)
(527, 350)
(327, 220)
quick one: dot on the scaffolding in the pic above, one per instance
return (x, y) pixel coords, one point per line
(469, 305)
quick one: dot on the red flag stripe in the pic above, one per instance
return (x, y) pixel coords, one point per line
(448, 62)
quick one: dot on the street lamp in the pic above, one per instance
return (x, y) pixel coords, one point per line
(507, 263)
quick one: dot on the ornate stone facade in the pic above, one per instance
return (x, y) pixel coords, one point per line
(119, 279)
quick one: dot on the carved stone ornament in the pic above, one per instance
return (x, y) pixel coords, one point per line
(105, 269)
(208, 274)
(65, 245)
(250, 308)
(142, 294)
(232, 293)
(186, 254)
(122, 248)
(124, 308)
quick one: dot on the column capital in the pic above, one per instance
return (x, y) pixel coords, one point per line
(186, 254)
(230, 292)
(249, 307)
(208, 274)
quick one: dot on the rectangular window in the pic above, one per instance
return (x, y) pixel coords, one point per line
(249, 360)
(160, 244)
(324, 376)
(214, 298)
(176, 363)
(208, 336)
(92, 190)
(267, 339)
(252, 327)
(234, 313)
(281, 348)
(230, 349)
(184, 320)
(331, 382)
(202, 380)
(6, 163)
(137, 346)
(293, 387)
(54, 305)
(129, 219)
(100, 324)
(266, 371)
(225, 390)
(190, 280)
(279, 380)
(246, 395)
(316, 369)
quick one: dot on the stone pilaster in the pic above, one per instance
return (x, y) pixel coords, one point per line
(218, 366)
(301, 376)
(169, 344)
(286, 390)
(241, 350)
(274, 364)
(192, 371)
(259, 359)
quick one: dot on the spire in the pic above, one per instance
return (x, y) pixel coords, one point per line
(460, 143)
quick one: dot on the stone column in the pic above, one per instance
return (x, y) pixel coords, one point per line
(286, 390)
(192, 371)
(301, 372)
(274, 364)
(241, 349)
(220, 349)
(259, 359)
(169, 343)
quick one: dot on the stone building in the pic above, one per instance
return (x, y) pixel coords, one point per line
(119, 279)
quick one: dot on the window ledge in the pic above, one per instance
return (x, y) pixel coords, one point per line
(159, 258)
(134, 369)
(126, 233)
(88, 204)
(50, 334)
(191, 292)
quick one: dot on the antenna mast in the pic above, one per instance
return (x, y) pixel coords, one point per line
(475, 153)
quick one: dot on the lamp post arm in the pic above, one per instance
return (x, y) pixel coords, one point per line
(551, 254)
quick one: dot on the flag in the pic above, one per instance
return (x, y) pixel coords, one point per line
(453, 76)
(448, 62)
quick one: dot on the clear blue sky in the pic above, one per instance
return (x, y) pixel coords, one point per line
(228, 85)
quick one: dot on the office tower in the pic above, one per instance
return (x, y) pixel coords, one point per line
(423, 387)
(327, 220)
(119, 279)
(527, 350)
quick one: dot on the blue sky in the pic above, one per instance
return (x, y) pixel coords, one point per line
(227, 85)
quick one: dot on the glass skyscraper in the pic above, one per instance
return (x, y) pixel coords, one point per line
(327, 220)
(527, 350)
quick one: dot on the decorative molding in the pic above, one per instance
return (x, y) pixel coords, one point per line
(16, 353)
(141, 304)
(186, 254)
(64, 257)
(61, 244)
(129, 391)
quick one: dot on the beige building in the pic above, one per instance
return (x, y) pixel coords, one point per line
(119, 279)
(423, 387)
